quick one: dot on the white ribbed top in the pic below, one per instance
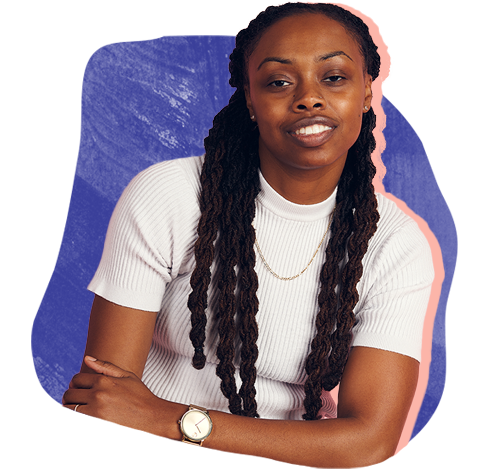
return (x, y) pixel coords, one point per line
(148, 260)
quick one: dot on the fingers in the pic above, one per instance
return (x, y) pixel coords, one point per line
(101, 369)
(75, 407)
(99, 393)
(83, 381)
(85, 385)
(105, 368)
(75, 396)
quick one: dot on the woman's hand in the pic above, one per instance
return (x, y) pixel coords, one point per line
(115, 395)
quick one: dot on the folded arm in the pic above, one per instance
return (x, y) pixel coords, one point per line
(374, 399)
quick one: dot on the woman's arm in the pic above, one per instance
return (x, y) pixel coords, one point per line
(374, 399)
(119, 334)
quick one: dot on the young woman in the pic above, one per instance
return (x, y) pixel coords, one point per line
(238, 288)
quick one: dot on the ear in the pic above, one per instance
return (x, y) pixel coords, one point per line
(249, 102)
(368, 93)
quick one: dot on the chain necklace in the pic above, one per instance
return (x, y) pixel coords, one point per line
(305, 268)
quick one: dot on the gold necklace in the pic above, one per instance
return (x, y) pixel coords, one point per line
(305, 268)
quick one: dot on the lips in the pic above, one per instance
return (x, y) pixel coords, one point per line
(312, 131)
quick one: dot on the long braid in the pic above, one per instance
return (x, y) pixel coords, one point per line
(235, 229)
(248, 302)
(234, 206)
(228, 257)
(354, 224)
(364, 225)
(230, 185)
(328, 301)
(210, 206)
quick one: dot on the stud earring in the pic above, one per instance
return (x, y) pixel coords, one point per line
(366, 108)
(252, 117)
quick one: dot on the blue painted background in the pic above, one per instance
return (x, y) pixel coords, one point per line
(148, 101)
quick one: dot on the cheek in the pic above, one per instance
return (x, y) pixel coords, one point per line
(267, 113)
(352, 106)
(352, 117)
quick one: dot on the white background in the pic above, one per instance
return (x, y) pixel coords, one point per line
(443, 79)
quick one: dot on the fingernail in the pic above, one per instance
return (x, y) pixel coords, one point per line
(91, 358)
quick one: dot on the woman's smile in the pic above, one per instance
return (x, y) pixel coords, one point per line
(312, 131)
(307, 89)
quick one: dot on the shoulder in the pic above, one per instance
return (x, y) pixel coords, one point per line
(170, 175)
(152, 229)
(392, 217)
(160, 201)
(172, 184)
(394, 223)
(394, 291)
(398, 243)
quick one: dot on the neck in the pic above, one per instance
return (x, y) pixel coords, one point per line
(300, 186)
(305, 176)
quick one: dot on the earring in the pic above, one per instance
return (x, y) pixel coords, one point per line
(252, 117)
(366, 108)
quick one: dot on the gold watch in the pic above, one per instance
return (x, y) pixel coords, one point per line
(195, 425)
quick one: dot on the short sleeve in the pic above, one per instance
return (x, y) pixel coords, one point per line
(149, 237)
(393, 301)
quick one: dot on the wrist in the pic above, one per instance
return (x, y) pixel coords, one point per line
(166, 417)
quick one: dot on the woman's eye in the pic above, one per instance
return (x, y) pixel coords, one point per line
(334, 78)
(279, 83)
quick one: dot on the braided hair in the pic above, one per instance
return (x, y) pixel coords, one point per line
(229, 186)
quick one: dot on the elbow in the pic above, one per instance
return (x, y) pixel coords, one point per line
(378, 455)
(359, 456)
(369, 446)
(375, 452)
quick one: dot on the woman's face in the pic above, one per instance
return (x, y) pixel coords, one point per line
(307, 90)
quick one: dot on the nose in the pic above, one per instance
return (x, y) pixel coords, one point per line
(308, 97)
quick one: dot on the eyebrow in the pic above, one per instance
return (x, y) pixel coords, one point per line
(333, 54)
(274, 59)
(277, 59)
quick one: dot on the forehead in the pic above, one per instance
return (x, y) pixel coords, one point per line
(309, 34)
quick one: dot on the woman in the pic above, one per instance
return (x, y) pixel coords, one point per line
(251, 280)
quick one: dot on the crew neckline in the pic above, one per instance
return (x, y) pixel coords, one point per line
(270, 199)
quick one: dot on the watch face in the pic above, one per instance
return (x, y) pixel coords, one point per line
(196, 425)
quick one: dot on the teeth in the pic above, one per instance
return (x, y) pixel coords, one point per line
(312, 129)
